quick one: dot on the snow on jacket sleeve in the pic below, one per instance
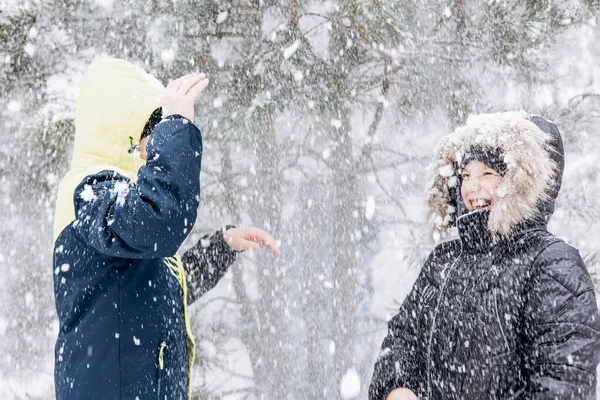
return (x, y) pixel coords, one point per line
(206, 263)
(401, 360)
(562, 327)
(152, 218)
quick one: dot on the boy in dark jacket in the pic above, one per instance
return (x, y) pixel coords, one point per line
(121, 290)
(507, 310)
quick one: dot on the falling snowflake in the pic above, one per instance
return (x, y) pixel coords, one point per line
(289, 51)
(350, 385)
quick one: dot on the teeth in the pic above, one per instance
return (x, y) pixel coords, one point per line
(480, 203)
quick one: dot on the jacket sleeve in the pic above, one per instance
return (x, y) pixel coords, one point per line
(152, 218)
(206, 263)
(562, 347)
(401, 360)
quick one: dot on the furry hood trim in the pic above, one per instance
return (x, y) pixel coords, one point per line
(532, 177)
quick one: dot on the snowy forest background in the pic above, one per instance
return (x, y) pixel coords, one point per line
(318, 123)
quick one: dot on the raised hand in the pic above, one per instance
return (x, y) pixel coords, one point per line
(180, 95)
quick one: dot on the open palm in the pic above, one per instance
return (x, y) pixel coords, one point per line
(242, 239)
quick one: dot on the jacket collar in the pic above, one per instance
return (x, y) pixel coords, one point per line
(476, 238)
(474, 235)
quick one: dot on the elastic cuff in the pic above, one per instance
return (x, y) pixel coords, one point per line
(174, 116)
(221, 234)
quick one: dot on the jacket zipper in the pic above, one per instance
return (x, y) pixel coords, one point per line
(435, 314)
(500, 321)
(161, 363)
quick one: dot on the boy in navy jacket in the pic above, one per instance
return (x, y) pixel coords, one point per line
(121, 290)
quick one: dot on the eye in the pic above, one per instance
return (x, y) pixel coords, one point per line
(465, 176)
(489, 173)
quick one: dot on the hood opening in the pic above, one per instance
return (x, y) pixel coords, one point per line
(528, 149)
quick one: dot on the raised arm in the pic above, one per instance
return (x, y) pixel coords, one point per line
(149, 219)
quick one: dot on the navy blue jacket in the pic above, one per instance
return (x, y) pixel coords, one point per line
(118, 283)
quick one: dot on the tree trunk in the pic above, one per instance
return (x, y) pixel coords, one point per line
(345, 191)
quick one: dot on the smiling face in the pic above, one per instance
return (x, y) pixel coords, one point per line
(479, 184)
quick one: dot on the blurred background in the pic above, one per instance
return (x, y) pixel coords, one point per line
(318, 125)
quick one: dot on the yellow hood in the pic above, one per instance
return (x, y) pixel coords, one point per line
(114, 103)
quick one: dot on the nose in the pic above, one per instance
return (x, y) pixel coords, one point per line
(474, 185)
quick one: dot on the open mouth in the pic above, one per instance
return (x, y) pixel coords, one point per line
(480, 204)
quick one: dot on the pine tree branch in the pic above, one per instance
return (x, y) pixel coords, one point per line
(444, 19)
(365, 37)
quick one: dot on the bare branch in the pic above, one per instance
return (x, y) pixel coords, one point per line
(380, 106)
(576, 100)
(311, 14)
(385, 85)
(294, 13)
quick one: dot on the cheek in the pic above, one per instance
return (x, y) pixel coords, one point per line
(464, 190)
(491, 187)
(142, 148)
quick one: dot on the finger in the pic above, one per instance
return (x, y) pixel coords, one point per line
(256, 234)
(182, 84)
(187, 76)
(260, 236)
(198, 88)
(275, 250)
(190, 83)
(272, 244)
(176, 84)
(184, 78)
(249, 245)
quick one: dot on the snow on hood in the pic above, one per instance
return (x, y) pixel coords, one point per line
(114, 103)
(531, 149)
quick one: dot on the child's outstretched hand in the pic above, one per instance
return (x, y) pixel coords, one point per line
(180, 95)
(241, 239)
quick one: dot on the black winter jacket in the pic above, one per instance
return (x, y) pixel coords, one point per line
(495, 316)
(513, 320)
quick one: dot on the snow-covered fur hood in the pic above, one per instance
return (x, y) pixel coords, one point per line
(531, 148)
